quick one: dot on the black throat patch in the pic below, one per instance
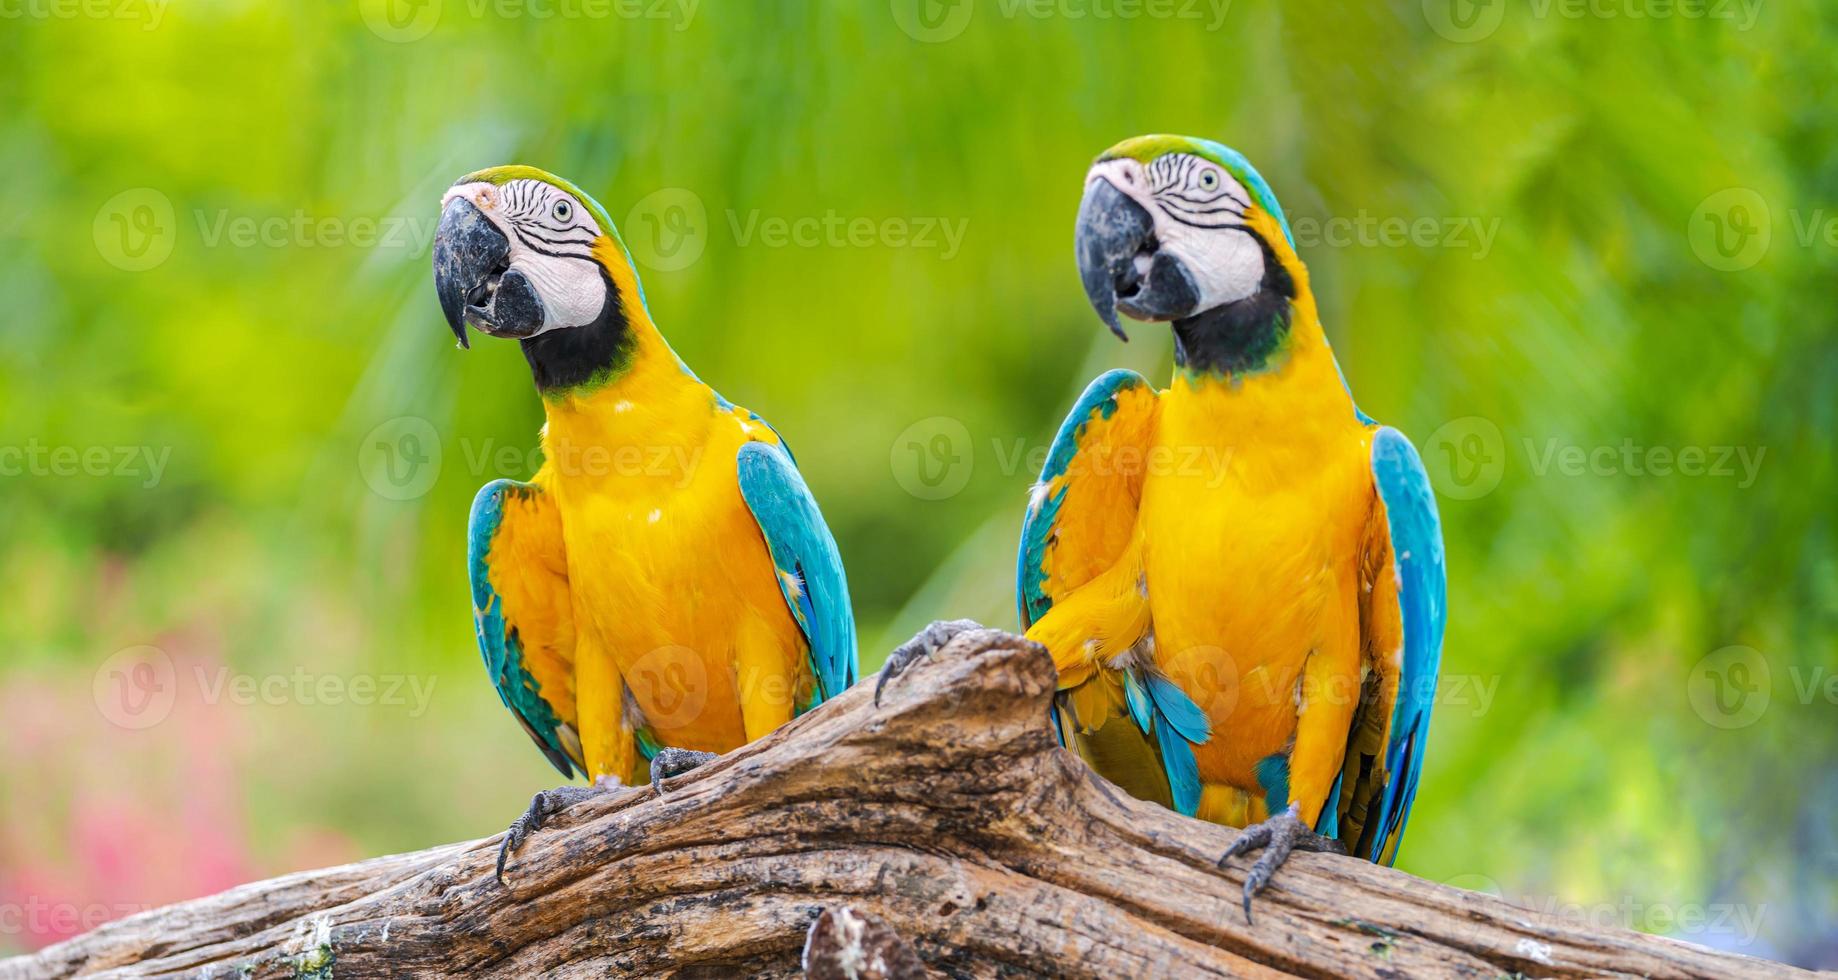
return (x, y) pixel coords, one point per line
(586, 355)
(1241, 337)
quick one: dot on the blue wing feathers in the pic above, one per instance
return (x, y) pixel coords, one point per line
(1137, 699)
(1328, 825)
(1183, 770)
(810, 567)
(1160, 708)
(1179, 726)
(1174, 705)
(1416, 542)
(1273, 775)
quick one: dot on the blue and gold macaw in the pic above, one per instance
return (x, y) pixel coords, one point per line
(664, 587)
(1240, 577)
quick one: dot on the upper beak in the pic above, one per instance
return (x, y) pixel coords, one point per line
(473, 277)
(1121, 263)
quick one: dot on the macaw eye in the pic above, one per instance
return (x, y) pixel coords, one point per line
(562, 211)
(1209, 180)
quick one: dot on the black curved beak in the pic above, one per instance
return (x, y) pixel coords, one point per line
(1122, 265)
(474, 280)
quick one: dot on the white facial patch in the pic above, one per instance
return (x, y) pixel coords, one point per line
(551, 238)
(1199, 213)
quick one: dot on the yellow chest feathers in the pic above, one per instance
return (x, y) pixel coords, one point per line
(663, 554)
(1251, 544)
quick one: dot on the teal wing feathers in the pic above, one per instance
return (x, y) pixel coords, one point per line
(1416, 543)
(808, 563)
(1178, 726)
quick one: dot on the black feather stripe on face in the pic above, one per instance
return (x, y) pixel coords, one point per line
(1176, 184)
(585, 355)
(529, 243)
(1241, 337)
(529, 235)
(528, 206)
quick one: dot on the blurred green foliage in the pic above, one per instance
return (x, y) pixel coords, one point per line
(1592, 746)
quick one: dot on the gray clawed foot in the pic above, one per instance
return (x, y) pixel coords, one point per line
(543, 805)
(927, 642)
(549, 802)
(675, 762)
(1278, 836)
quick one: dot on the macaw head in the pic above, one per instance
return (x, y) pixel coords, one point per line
(1185, 230)
(524, 254)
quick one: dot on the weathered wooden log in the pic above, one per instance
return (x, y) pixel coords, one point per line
(948, 815)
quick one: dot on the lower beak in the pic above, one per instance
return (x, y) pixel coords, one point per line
(1122, 265)
(474, 279)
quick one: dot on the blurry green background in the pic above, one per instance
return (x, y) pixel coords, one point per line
(237, 444)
